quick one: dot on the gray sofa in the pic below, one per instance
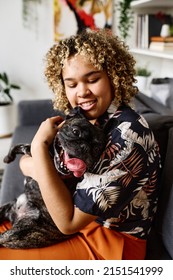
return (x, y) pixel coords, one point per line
(32, 113)
(160, 119)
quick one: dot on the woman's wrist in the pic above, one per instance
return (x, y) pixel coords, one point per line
(26, 165)
(41, 147)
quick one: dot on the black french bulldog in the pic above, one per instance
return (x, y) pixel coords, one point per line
(77, 146)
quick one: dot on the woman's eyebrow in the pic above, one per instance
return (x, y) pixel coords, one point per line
(86, 75)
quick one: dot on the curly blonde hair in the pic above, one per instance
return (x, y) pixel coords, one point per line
(105, 52)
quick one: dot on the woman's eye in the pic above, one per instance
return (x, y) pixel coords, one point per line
(71, 85)
(93, 80)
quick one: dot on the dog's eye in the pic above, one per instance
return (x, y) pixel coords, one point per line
(76, 131)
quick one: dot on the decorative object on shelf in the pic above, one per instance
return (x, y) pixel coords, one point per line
(126, 17)
(6, 105)
(165, 21)
(142, 75)
(165, 30)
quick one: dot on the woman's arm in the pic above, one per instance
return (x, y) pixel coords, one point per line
(56, 195)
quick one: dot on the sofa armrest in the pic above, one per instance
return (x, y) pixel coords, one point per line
(33, 112)
(153, 105)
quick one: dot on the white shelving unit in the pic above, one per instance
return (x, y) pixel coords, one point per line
(160, 63)
(151, 3)
(165, 55)
(147, 5)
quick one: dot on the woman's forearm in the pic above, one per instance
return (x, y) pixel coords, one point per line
(26, 165)
(56, 196)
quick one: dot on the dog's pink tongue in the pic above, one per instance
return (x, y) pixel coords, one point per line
(76, 165)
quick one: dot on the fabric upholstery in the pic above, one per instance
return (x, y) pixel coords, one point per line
(33, 112)
(165, 220)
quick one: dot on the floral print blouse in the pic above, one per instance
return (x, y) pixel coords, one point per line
(122, 189)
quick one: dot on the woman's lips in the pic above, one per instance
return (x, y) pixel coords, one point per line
(88, 105)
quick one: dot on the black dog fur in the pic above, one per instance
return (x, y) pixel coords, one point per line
(32, 226)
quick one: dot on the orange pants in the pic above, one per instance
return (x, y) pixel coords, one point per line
(94, 242)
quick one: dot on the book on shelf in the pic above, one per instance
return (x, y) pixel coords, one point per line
(161, 46)
(161, 39)
(148, 26)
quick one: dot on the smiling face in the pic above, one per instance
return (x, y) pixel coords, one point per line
(86, 86)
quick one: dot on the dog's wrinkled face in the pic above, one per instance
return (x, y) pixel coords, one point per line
(78, 144)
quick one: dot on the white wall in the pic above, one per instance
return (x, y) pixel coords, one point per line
(22, 50)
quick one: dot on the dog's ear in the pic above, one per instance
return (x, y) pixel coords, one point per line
(77, 111)
(60, 113)
(110, 125)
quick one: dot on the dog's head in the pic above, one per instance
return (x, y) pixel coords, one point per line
(78, 144)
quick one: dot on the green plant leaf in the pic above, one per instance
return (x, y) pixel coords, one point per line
(126, 17)
(143, 72)
(6, 86)
(7, 91)
(15, 86)
(5, 78)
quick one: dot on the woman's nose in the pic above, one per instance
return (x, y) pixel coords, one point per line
(83, 91)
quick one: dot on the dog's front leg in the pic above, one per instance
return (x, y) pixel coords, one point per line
(23, 149)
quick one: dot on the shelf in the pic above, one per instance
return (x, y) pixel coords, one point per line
(151, 3)
(166, 55)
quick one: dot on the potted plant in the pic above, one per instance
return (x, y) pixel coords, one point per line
(6, 105)
(142, 74)
(142, 71)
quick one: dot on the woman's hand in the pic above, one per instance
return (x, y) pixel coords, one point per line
(42, 139)
(45, 134)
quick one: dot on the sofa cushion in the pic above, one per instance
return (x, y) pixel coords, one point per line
(165, 211)
(33, 112)
(12, 181)
(151, 104)
(160, 126)
(141, 107)
(162, 91)
(160, 242)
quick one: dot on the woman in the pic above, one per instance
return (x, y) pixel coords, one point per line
(113, 207)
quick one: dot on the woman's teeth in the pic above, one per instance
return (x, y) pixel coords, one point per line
(86, 104)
